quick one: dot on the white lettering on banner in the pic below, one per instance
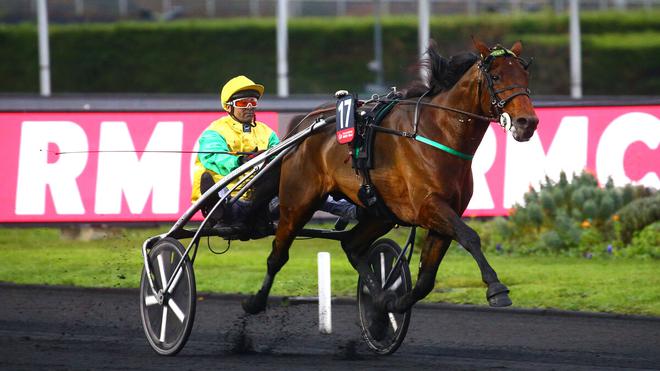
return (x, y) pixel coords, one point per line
(527, 164)
(483, 160)
(617, 137)
(35, 173)
(136, 178)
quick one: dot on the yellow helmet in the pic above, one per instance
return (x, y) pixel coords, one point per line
(233, 86)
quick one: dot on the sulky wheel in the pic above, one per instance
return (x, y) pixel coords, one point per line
(167, 318)
(382, 257)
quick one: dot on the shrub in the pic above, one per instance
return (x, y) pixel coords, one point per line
(492, 233)
(645, 243)
(637, 215)
(550, 241)
(575, 217)
(591, 241)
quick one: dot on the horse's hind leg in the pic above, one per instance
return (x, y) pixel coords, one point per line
(356, 247)
(292, 219)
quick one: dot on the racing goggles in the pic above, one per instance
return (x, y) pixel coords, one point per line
(246, 102)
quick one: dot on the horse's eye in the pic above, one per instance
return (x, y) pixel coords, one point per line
(495, 77)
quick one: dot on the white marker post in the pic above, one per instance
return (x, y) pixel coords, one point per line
(325, 311)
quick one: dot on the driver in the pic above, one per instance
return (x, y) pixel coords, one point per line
(240, 132)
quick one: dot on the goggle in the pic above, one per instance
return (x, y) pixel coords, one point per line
(244, 102)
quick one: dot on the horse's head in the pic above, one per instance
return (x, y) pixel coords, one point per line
(504, 75)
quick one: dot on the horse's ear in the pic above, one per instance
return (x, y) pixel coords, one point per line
(517, 48)
(482, 48)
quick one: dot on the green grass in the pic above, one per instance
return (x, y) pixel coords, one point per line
(40, 256)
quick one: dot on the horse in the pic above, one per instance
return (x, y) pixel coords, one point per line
(420, 184)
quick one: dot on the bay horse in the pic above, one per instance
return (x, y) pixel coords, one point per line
(420, 184)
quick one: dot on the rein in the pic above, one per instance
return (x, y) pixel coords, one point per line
(235, 153)
(451, 109)
(420, 138)
(496, 102)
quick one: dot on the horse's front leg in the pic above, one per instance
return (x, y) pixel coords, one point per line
(444, 219)
(497, 294)
(278, 257)
(434, 249)
(444, 225)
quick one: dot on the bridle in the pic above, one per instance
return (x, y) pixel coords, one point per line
(496, 102)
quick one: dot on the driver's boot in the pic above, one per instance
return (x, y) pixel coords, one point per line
(216, 219)
(205, 183)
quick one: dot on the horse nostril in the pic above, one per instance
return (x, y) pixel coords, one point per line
(527, 122)
(521, 121)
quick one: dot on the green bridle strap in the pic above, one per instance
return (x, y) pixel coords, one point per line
(502, 51)
(443, 147)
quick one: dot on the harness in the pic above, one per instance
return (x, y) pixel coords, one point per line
(368, 123)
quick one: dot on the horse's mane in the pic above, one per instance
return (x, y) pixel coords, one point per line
(442, 73)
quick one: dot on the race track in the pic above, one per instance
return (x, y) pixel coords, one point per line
(69, 328)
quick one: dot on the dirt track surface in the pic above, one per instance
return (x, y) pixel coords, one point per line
(68, 328)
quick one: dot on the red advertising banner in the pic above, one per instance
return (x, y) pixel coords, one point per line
(140, 185)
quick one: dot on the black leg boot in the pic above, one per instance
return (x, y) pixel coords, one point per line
(205, 183)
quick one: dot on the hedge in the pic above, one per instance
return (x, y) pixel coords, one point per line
(326, 54)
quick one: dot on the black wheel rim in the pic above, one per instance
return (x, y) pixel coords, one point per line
(167, 325)
(382, 258)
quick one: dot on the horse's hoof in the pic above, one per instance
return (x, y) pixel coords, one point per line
(254, 304)
(385, 302)
(378, 327)
(498, 295)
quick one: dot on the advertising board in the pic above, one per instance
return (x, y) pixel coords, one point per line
(137, 166)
